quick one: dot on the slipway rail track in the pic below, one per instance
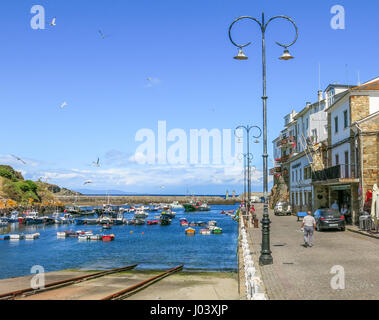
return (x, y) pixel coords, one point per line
(59, 284)
(142, 285)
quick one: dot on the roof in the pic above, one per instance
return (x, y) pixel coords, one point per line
(371, 85)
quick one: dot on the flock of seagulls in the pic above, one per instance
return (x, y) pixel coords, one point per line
(64, 104)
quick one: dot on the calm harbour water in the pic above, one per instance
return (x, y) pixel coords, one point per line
(151, 247)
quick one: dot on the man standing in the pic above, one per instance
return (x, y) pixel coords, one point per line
(309, 225)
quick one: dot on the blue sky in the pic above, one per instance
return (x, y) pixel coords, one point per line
(183, 46)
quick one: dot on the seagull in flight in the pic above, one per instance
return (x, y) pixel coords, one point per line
(87, 182)
(97, 163)
(18, 158)
(103, 35)
(52, 23)
(63, 104)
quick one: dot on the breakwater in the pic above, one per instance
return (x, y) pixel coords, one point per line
(94, 200)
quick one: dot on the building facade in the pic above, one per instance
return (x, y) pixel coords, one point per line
(332, 148)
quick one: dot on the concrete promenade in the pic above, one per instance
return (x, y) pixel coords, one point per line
(300, 273)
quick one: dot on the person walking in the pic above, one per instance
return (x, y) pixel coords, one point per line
(309, 226)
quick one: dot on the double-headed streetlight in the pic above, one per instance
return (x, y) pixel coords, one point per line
(265, 258)
(248, 156)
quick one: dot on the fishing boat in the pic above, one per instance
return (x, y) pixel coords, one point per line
(91, 221)
(165, 220)
(139, 222)
(119, 219)
(190, 231)
(205, 231)
(201, 224)
(176, 205)
(5, 237)
(105, 220)
(79, 221)
(196, 206)
(108, 237)
(14, 217)
(32, 218)
(192, 224)
(106, 227)
(212, 223)
(169, 213)
(152, 222)
(140, 214)
(32, 236)
(203, 207)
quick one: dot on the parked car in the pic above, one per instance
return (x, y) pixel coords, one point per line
(283, 208)
(255, 199)
(329, 219)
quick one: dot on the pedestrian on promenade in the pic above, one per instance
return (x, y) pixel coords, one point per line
(309, 225)
(335, 206)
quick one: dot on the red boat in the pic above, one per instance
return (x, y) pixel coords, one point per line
(108, 237)
(225, 212)
(152, 222)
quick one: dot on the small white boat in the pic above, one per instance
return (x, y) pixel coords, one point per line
(62, 234)
(17, 236)
(32, 236)
(95, 237)
(212, 223)
(83, 237)
(176, 205)
(205, 231)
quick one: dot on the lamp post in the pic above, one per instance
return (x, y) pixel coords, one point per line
(249, 156)
(265, 258)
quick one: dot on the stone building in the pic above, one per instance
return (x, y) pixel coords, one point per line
(352, 156)
(329, 151)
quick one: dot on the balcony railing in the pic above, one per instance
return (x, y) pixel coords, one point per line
(286, 141)
(341, 171)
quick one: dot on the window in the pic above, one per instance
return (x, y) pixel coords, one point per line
(345, 119)
(296, 176)
(293, 177)
(336, 125)
(314, 134)
(306, 123)
(337, 160)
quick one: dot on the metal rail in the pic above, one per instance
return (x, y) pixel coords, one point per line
(141, 285)
(62, 283)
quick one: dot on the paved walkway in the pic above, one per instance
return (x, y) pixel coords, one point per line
(300, 273)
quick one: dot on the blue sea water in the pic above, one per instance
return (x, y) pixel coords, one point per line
(151, 247)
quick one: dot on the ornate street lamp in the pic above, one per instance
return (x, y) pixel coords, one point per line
(266, 257)
(249, 156)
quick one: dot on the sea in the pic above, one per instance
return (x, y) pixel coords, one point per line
(152, 247)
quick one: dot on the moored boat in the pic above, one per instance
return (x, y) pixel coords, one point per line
(190, 231)
(32, 236)
(217, 230)
(108, 237)
(205, 231)
(17, 236)
(152, 222)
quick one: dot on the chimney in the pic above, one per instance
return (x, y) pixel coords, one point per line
(320, 96)
(308, 104)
